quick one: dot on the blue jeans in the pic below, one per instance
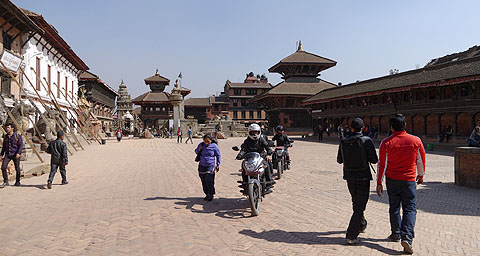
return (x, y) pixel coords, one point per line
(53, 170)
(402, 193)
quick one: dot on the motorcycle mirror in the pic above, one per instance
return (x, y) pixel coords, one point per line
(235, 148)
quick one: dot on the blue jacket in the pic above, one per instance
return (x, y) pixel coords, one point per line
(207, 158)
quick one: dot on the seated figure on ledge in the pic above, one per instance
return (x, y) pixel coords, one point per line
(474, 140)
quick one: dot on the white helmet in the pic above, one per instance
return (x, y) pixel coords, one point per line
(254, 131)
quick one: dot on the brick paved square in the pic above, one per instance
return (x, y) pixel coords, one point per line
(144, 197)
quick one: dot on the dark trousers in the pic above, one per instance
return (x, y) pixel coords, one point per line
(320, 135)
(208, 180)
(360, 191)
(53, 170)
(5, 162)
(402, 193)
(179, 139)
(189, 138)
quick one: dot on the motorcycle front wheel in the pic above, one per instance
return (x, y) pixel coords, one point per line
(254, 198)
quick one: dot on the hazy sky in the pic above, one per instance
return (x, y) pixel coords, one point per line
(212, 41)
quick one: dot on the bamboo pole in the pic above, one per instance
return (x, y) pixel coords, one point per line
(55, 103)
(86, 119)
(37, 130)
(28, 98)
(80, 124)
(25, 136)
(47, 109)
(69, 111)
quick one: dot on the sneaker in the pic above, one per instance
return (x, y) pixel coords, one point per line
(407, 246)
(4, 184)
(394, 237)
(49, 185)
(205, 198)
(352, 241)
(64, 182)
(17, 184)
(209, 198)
(362, 229)
(269, 190)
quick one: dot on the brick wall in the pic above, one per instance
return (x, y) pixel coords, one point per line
(467, 167)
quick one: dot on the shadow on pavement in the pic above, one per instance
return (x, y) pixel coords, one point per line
(34, 186)
(229, 208)
(311, 238)
(443, 198)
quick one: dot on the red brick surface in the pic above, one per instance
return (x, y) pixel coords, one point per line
(143, 197)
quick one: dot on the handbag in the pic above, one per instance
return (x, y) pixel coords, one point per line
(197, 158)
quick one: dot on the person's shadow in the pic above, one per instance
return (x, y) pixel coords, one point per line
(33, 186)
(312, 238)
(230, 208)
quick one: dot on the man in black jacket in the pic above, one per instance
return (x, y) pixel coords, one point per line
(282, 141)
(356, 152)
(11, 151)
(58, 150)
(257, 143)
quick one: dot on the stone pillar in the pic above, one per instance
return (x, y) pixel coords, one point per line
(177, 101)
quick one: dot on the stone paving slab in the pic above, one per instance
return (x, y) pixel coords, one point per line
(144, 197)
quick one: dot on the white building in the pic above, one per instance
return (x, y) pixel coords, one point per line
(56, 64)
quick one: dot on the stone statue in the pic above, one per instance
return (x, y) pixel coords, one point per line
(20, 112)
(44, 127)
(176, 83)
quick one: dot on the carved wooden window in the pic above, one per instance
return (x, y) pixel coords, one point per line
(58, 84)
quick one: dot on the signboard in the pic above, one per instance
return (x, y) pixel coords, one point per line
(11, 61)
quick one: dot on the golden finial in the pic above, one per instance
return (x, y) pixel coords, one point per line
(300, 48)
(156, 72)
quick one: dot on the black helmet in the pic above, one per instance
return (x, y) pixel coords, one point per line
(279, 128)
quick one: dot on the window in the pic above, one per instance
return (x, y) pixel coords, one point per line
(73, 93)
(431, 94)
(250, 114)
(243, 115)
(237, 91)
(224, 107)
(235, 115)
(244, 102)
(235, 102)
(66, 87)
(251, 91)
(157, 108)
(6, 85)
(7, 41)
(464, 91)
(49, 78)
(58, 84)
(259, 114)
(37, 76)
(290, 102)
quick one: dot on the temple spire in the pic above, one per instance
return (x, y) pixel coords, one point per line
(156, 72)
(300, 47)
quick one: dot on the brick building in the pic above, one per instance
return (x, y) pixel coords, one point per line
(283, 102)
(446, 92)
(239, 94)
(101, 98)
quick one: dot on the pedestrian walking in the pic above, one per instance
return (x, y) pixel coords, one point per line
(208, 156)
(179, 135)
(119, 135)
(171, 132)
(320, 132)
(11, 151)
(356, 152)
(402, 160)
(59, 158)
(189, 134)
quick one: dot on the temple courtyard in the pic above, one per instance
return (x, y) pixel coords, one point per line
(144, 197)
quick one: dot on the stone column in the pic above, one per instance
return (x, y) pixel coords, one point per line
(177, 101)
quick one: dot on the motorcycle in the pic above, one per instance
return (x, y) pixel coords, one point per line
(253, 165)
(279, 160)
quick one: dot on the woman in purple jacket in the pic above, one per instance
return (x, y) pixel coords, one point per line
(208, 165)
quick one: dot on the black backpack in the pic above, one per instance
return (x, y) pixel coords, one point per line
(354, 154)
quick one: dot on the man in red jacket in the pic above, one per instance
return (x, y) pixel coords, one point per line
(402, 160)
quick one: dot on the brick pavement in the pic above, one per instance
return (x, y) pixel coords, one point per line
(144, 197)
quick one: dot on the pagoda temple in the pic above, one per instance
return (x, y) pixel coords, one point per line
(283, 103)
(157, 106)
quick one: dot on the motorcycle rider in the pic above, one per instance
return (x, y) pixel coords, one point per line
(282, 141)
(255, 142)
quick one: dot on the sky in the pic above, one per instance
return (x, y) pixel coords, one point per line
(212, 41)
